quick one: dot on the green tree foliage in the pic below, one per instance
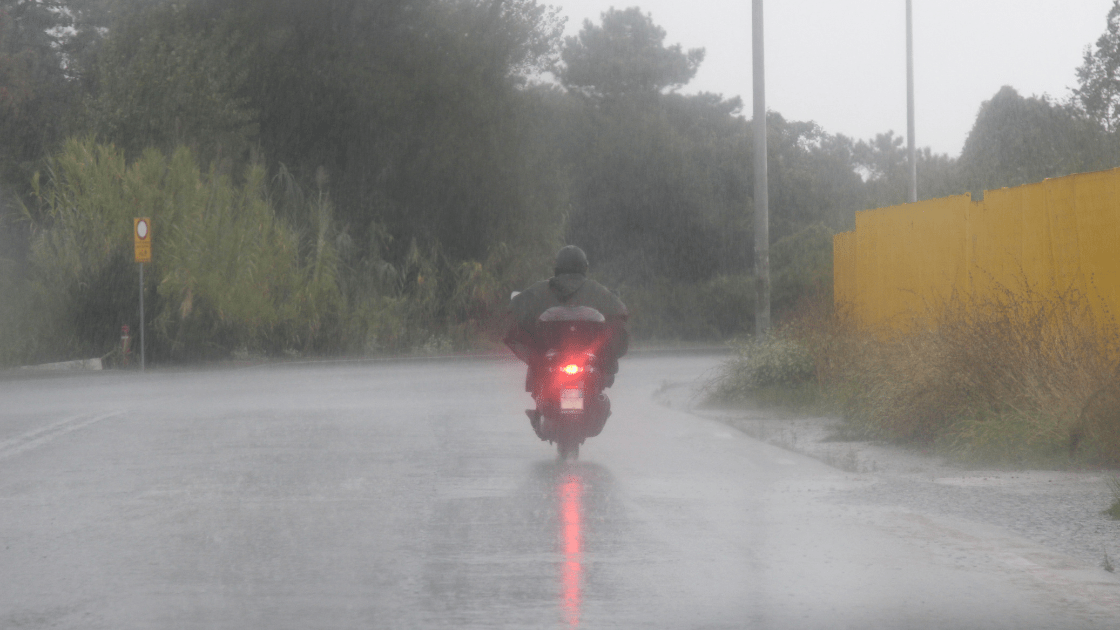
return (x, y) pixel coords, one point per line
(661, 186)
(658, 186)
(1018, 140)
(625, 57)
(1098, 78)
(811, 177)
(413, 108)
(415, 115)
(174, 75)
(43, 46)
(33, 84)
(802, 267)
(33, 96)
(885, 164)
(657, 178)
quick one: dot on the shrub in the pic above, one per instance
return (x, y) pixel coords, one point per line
(17, 335)
(225, 273)
(723, 306)
(1023, 376)
(1098, 428)
(1027, 362)
(773, 361)
(1001, 379)
(801, 269)
(231, 274)
(1114, 511)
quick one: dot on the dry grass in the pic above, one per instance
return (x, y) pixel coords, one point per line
(1023, 369)
(1114, 511)
(1021, 378)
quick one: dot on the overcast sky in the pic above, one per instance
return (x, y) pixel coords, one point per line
(842, 63)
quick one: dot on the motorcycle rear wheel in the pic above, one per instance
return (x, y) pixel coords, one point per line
(567, 450)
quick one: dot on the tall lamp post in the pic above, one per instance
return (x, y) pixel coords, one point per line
(761, 192)
(910, 102)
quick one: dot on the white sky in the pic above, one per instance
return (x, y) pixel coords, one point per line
(842, 63)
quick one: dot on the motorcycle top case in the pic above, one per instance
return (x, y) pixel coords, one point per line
(570, 327)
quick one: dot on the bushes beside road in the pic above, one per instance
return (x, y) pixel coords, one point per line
(229, 273)
(1020, 379)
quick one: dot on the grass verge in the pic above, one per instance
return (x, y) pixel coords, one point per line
(1018, 379)
(1114, 511)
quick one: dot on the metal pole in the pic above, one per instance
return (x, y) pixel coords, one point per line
(761, 190)
(910, 102)
(141, 317)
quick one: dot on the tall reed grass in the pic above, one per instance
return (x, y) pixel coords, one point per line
(241, 267)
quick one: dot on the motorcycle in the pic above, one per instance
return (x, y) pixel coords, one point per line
(571, 406)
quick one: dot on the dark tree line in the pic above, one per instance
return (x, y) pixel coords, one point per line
(422, 163)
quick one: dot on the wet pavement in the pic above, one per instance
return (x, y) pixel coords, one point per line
(414, 495)
(1061, 510)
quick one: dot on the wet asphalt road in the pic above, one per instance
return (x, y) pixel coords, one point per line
(414, 495)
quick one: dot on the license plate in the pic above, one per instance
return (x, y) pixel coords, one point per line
(571, 400)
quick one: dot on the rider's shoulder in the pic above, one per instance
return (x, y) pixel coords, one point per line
(602, 288)
(536, 289)
(606, 298)
(530, 297)
(599, 286)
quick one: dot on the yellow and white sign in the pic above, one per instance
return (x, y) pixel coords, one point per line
(142, 239)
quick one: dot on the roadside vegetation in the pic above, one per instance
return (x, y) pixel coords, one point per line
(1022, 379)
(1114, 510)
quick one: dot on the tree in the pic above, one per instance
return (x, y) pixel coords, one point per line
(660, 192)
(658, 189)
(44, 46)
(625, 57)
(34, 91)
(171, 76)
(811, 176)
(1018, 140)
(414, 109)
(1098, 92)
(883, 163)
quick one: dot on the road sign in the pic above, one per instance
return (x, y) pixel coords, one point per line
(142, 239)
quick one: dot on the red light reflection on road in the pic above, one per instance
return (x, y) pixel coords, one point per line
(571, 539)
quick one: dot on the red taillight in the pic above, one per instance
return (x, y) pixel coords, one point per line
(570, 369)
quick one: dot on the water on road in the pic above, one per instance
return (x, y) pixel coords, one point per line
(415, 495)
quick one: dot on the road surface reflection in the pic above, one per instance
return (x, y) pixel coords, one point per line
(570, 491)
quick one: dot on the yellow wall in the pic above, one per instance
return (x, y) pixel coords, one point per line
(901, 263)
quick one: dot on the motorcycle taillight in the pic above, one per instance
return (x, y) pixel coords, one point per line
(571, 369)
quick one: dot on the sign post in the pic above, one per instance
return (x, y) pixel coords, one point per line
(126, 341)
(142, 248)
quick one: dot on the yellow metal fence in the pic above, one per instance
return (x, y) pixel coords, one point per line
(902, 263)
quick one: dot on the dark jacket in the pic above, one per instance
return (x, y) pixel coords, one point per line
(570, 289)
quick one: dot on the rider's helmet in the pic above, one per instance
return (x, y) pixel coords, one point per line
(570, 259)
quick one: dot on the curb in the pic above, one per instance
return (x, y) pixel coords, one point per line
(79, 364)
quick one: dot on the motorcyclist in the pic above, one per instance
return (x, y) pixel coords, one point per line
(568, 286)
